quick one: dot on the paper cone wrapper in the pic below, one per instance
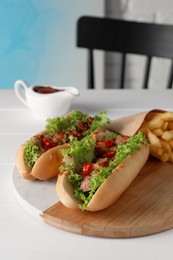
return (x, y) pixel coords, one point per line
(129, 125)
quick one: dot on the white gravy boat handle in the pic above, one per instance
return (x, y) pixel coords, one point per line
(19, 93)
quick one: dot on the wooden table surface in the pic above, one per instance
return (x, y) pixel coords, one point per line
(22, 236)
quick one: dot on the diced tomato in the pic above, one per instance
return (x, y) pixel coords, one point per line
(108, 143)
(109, 154)
(47, 143)
(99, 145)
(87, 168)
(104, 164)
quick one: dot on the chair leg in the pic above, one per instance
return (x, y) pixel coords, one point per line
(90, 70)
(170, 80)
(147, 72)
(123, 66)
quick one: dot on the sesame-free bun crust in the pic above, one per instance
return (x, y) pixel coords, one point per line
(47, 165)
(45, 168)
(22, 168)
(111, 189)
(65, 191)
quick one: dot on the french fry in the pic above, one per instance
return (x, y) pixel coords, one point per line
(156, 122)
(155, 151)
(170, 125)
(158, 129)
(153, 139)
(167, 135)
(171, 144)
(167, 116)
(165, 146)
(165, 126)
(164, 157)
(150, 116)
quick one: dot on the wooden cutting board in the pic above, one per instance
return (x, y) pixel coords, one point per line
(145, 208)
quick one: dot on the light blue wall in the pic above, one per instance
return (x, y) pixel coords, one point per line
(37, 41)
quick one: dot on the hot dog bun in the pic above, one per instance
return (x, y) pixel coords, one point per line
(23, 169)
(40, 157)
(111, 189)
(65, 191)
(46, 167)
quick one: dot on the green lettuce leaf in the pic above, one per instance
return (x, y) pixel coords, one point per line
(31, 153)
(71, 122)
(82, 151)
(58, 124)
(99, 120)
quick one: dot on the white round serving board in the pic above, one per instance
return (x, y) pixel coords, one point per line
(34, 196)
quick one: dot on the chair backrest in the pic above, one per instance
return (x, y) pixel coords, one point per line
(151, 40)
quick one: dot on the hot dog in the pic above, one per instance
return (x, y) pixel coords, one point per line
(40, 157)
(98, 169)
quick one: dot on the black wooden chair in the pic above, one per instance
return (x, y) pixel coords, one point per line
(151, 40)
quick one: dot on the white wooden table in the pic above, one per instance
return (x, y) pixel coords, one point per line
(22, 236)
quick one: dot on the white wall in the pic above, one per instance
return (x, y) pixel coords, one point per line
(156, 11)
